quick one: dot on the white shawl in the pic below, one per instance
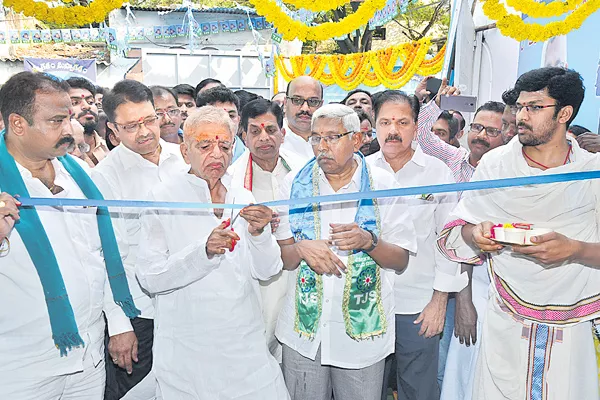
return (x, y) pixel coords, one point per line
(561, 295)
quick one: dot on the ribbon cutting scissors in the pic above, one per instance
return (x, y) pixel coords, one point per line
(229, 224)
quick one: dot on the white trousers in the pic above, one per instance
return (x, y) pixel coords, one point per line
(85, 385)
(460, 364)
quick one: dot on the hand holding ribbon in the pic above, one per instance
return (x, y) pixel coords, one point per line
(9, 214)
(258, 216)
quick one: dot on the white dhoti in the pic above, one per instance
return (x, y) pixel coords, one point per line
(520, 357)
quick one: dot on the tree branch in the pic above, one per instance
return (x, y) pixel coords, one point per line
(367, 40)
(434, 17)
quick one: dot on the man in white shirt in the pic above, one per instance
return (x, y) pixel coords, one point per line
(421, 292)
(337, 324)
(169, 114)
(54, 282)
(85, 110)
(304, 95)
(262, 171)
(141, 162)
(203, 267)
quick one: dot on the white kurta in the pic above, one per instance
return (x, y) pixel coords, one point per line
(296, 144)
(126, 175)
(528, 339)
(209, 338)
(26, 345)
(266, 187)
(337, 348)
(427, 270)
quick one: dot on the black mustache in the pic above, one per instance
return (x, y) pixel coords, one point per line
(143, 139)
(480, 141)
(303, 113)
(84, 113)
(394, 137)
(524, 125)
(65, 140)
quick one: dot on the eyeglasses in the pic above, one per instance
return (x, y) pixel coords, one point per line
(533, 109)
(491, 132)
(171, 113)
(134, 127)
(315, 140)
(299, 101)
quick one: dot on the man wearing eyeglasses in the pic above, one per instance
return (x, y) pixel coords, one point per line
(337, 323)
(85, 110)
(168, 113)
(141, 162)
(537, 335)
(79, 148)
(304, 95)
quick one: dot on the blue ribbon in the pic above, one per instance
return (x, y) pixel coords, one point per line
(375, 194)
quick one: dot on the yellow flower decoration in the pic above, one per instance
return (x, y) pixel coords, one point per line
(534, 9)
(512, 25)
(371, 68)
(291, 29)
(96, 11)
(316, 5)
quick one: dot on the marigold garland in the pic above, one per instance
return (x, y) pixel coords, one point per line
(291, 29)
(317, 5)
(534, 9)
(512, 25)
(371, 68)
(96, 11)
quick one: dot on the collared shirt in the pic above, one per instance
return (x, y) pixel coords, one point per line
(266, 187)
(126, 175)
(26, 345)
(209, 338)
(100, 151)
(457, 159)
(265, 184)
(427, 269)
(296, 144)
(337, 348)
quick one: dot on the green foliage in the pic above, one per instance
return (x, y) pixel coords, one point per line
(425, 18)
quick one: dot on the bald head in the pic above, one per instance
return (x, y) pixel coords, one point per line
(304, 97)
(304, 81)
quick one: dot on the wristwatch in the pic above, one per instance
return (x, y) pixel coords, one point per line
(374, 242)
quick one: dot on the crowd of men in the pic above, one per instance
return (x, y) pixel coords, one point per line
(307, 301)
